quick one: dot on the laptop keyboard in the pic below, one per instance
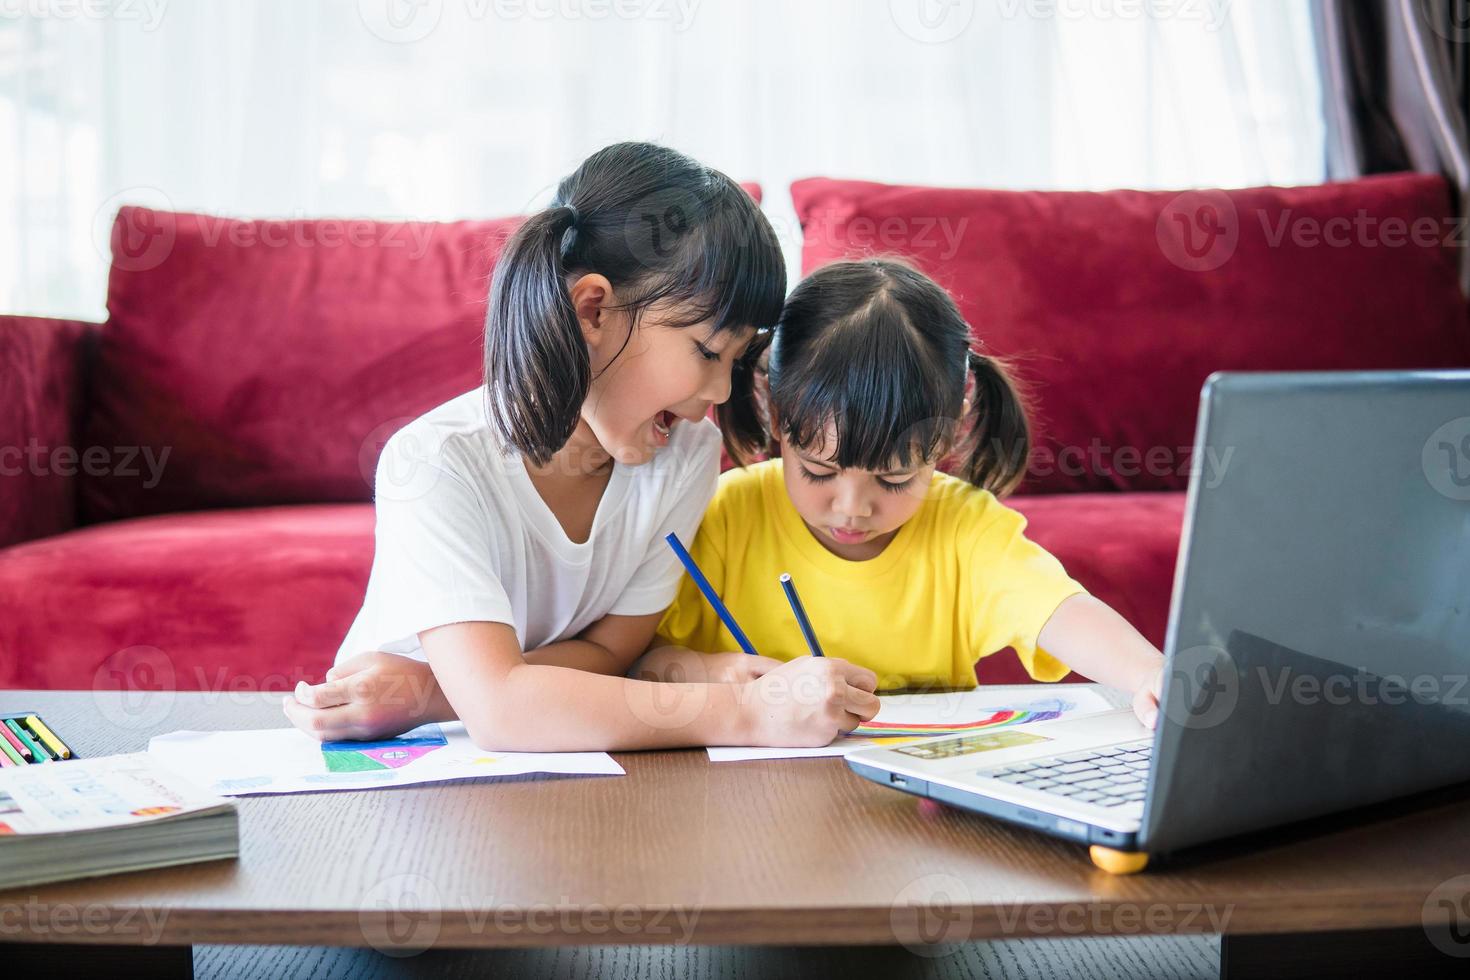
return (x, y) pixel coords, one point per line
(1110, 776)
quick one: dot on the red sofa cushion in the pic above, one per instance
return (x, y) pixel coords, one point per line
(231, 600)
(271, 360)
(40, 401)
(1116, 319)
(1122, 547)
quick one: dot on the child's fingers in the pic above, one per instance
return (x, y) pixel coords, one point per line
(864, 704)
(322, 724)
(325, 695)
(859, 676)
(350, 666)
(1146, 707)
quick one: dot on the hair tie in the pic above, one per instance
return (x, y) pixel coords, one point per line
(572, 219)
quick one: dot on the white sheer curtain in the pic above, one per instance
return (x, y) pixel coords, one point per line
(469, 108)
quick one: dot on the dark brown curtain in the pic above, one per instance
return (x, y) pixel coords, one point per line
(1395, 83)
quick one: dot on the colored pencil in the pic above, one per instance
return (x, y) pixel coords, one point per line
(48, 737)
(709, 593)
(38, 752)
(789, 587)
(12, 742)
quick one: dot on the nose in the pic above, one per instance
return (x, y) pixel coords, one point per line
(849, 501)
(717, 385)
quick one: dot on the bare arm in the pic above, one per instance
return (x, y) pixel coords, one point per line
(671, 663)
(507, 703)
(608, 646)
(1087, 635)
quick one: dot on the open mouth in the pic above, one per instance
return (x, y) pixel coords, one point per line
(663, 422)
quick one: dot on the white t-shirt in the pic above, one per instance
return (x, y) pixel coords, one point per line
(463, 536)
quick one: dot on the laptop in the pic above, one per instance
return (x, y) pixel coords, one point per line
(1318, 644)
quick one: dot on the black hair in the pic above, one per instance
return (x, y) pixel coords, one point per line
(659, 226)
(880, 351)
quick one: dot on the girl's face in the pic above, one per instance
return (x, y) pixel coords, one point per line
(649, 377)
(853, 513)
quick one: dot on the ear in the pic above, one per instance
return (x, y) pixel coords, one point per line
(965, 409)
(592, 298)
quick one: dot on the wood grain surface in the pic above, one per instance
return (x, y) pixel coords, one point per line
(681, 851)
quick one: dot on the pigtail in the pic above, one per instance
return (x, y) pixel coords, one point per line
(1000, 434)
(537, 365)
(742, 416)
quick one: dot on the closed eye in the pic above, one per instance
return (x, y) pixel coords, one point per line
(705, 352)
(815, 477)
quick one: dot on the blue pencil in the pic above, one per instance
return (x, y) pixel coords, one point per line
(709, 593)
(801, 617)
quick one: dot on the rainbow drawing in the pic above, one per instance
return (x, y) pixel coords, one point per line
(388, 753)
(1002, 718)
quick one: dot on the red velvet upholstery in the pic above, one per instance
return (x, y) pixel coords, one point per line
(221, 600)
(273, 368)
(272, 359)
(1117, 319)
(40, 402)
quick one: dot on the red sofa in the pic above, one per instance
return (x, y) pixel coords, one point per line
(185, 490)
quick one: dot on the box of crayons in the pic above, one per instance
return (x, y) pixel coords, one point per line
(27, 740)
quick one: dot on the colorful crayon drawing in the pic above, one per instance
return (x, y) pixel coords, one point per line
(891, 731)
(389, 753)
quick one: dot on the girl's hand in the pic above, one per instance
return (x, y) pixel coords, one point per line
(739, 668)
(1146, 699)
(808, 702)
(373, 695)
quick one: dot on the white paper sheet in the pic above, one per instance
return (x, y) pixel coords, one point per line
(285, 760)
(952, 708)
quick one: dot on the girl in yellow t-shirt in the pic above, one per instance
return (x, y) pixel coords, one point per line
(908, 571)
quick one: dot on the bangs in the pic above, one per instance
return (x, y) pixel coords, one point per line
(731, 273)
(890, 402)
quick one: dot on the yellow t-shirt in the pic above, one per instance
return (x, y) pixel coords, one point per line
(959, 581)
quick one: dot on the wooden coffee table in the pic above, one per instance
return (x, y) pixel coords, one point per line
(681, 851)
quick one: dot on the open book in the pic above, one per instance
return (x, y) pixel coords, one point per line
(86, 817)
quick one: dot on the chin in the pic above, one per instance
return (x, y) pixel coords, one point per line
(633, 455)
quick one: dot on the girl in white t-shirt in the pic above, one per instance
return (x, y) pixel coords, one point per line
(520, 567)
